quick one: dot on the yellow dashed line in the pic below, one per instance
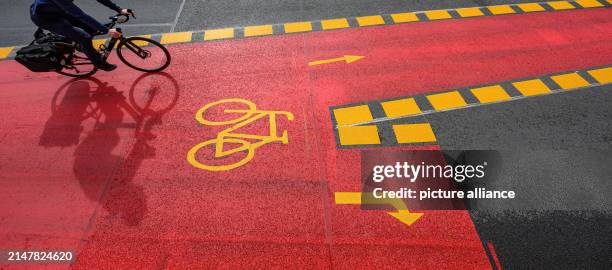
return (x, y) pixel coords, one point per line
(470, 12)
(560, 5)
(531, 87)
(531, 7)
(358, 135)
(404, 17)
(219, 34)
(400, 107)
(570, 81)
(259, 30)
(370, 20)
(414, 133)
(4, 52)
(298, 27)
(499, 10)
(334, 24)
(603, 75)
(589, 3)
(178, 37)
(353, 115)
(490, 94)
(447, 101)
(438, 14)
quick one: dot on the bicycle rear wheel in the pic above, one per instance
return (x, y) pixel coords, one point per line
(77, 65)
(143, 54)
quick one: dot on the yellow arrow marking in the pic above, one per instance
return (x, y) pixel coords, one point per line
(402, 214)
(347, 58)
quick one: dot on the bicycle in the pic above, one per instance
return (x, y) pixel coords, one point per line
(245, 117)
(130, 50)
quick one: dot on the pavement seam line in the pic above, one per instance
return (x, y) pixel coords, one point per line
(371, 21)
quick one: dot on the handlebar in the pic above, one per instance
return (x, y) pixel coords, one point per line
(120, 18)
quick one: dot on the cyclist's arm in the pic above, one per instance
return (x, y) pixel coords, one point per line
(74, 11)
(111, 5)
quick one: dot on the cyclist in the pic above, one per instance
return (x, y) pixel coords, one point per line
(64, 18)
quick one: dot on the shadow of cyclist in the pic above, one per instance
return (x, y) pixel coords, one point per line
(103, 175)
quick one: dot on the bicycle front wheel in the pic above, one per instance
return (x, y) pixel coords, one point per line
(143, 54)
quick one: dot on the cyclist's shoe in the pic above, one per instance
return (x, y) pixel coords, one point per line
(106, 66)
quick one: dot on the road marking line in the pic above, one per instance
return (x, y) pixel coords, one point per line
(531, 7)
(370, 20)
(216, 34)
(400, 107)
(531, 87)
(589, 3)
(570, 81)
(501, 9)
(353, 115)
(358, 135)
(414, 133)
(489, 94)
(4, 52)
(298, 27)
(404, 17)
(603, 75)
(445, 101)
(334, 24)
(347, 197)
(438, 14)
(142, 43)
(178, 37)
(560, 5)
(259, 30)
(469, 12)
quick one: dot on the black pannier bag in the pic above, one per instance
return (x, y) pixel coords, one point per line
(40, 57)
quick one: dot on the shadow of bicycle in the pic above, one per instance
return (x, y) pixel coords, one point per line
(104, 176)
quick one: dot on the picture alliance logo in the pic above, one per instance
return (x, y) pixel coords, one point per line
(412, 172)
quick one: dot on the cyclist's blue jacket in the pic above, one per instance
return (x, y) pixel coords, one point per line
(67, 7)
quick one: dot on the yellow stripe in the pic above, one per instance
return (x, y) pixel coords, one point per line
(404, 17)
(358, 135)
(353, 115)
(445, 101)
(98, 42)
(531, 87)
(438, 14)
(487, 94)
(560, 5)
(370, 20)
(469, 12)
(347, 197)
(570, 81)
(531, 7)
(414, 133)
(219, 34)
(297, 27)
(499, 10)
(4, 52)
(589, 3)
(334, 24)
(178, 37)
(603, 75)
(259, 30)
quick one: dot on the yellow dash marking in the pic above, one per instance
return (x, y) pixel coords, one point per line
(347, 197)
(489, 94)
(438, 14)
(98, 42)
(334, 24)
(178, 37)
(531, 7)
(370, 20)
(447, 101)
(142, 43)
(470, 12)
(531, 87)
(570, 81)
(358, 135)
(401, 107)
(499, 10)
(297, 27)
(259, 30)
(215, 34)
(589, 3)
(353, 115)
(414, 133)
(404, 17)
(603, 75)
(560, 5)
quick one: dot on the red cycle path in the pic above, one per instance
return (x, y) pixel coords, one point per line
(127, 201)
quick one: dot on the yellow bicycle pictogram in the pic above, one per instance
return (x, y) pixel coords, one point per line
(248, 143)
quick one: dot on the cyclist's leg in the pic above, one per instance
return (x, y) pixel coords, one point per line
(63, 27)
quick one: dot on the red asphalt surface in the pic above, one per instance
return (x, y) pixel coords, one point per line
(129, 201)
